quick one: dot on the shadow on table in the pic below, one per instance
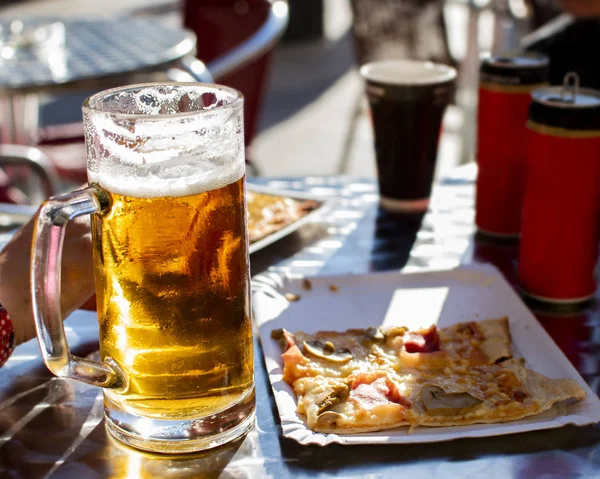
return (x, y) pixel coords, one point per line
(376, 458)
(100, 455)
(28, 375)
(393, 239)
(41, 416)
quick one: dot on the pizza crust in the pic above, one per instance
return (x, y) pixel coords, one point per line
(497, 340)
(544, 390)
(332, 423)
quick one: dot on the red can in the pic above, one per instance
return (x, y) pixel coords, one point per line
(561, 207)
(506, 83)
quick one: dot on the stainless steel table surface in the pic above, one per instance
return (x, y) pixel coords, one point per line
(96, 53)
(51, 427)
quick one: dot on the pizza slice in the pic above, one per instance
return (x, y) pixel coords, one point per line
(496, 393)
(381, 378)
(363, 402)
(269, 213)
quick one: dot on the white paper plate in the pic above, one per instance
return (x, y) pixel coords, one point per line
(416, 300)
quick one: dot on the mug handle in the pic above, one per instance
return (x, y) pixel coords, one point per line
(46, 258)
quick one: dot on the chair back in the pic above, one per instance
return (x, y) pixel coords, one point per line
(18, 164)
(64, 145)
(235, 41)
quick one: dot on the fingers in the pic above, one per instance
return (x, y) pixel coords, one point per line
(77, 274)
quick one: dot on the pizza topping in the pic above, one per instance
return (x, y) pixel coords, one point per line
(375, 334)
(433, 361)
(294, 364)
(286, 338)
(439, 402)
(423, 341)
(376, 389)
(277, 334)
(519, 396)
(371, 395)
(327, 351)
(328, 419)
(339, 393)
(395, 331)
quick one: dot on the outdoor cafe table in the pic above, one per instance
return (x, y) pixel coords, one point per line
(51, 427)
(98, 54)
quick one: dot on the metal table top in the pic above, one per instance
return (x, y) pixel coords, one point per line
(51, 427)
(95, 50)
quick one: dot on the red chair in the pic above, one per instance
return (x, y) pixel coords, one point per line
(235, 41)
(64, 145)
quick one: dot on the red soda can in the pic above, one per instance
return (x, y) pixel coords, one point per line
(505, 87)
(561, 206)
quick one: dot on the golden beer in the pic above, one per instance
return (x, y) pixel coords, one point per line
(173, 302)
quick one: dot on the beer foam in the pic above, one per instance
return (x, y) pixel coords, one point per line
(407, 72)
(185, 145)
(180, 178)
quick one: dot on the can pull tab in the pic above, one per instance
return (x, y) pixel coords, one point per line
(570, 88)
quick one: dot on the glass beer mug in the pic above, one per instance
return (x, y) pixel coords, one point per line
(167, 198)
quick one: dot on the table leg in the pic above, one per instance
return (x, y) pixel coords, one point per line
(12, 119)
(31, 117)
(23, 117)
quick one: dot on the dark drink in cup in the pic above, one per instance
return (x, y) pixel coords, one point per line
(407, 100)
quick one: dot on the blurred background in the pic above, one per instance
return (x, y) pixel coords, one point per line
(311, 117)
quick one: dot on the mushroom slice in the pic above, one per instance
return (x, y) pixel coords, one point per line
(336, 396)
(327, 351)
(375, 334)
(328, 419)
(439, 402)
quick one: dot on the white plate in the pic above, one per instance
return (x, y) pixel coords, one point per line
(288, 229)
(416, 300)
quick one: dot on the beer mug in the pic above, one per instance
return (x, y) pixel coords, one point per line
(167, 197)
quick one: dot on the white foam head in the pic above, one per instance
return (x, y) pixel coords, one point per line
(407, 72)
(148, 141)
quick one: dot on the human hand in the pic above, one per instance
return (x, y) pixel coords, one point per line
(77, 274)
